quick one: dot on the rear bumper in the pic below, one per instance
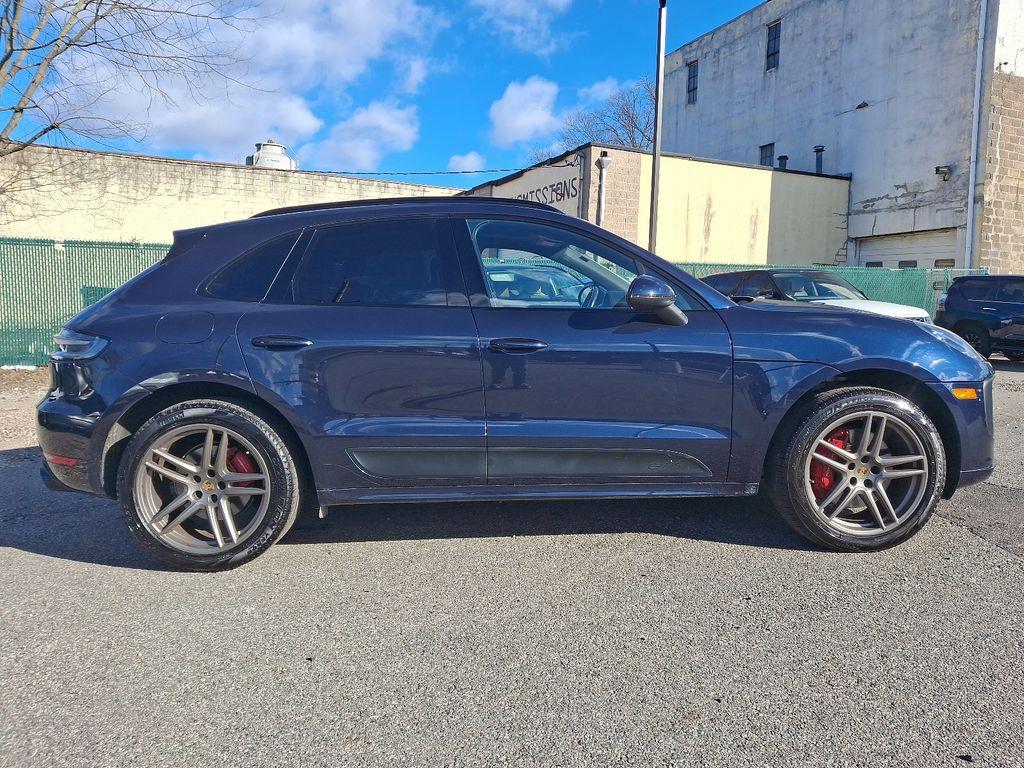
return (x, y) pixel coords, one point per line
(65, 434)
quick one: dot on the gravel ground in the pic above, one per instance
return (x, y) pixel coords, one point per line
(640, 633)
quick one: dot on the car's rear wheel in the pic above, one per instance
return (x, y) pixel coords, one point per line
(1015, 357)
(861, 469)
(208, 485)
(977, 336)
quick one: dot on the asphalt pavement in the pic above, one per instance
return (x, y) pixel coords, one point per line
(591, 633)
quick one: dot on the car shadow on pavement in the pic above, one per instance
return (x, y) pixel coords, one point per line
(746, 521)
(68, 526)
(87, 529)
(1006, 365)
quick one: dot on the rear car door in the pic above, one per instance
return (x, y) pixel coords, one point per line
(368, 340)
(579, 389)
(1006, 311)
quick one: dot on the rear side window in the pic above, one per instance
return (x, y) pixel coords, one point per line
(975, 290)
(758, 284)
(724, 284)
(1012, 291)
(249, 277)
(379, 263)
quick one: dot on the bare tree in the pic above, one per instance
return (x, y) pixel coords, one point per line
(626, 118)
(60, 60)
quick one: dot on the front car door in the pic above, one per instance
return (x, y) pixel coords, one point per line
(578, 388)
(367, 338)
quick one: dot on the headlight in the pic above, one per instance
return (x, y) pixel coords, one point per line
(71, 345)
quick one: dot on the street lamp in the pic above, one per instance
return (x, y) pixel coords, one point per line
(659, 92)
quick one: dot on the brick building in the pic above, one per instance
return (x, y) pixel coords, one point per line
(708, 211)
(921, 103)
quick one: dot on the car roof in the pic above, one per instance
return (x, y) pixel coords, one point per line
(425, 201)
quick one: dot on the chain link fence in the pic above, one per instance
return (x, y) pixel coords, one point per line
(914, 287)
(45, 282)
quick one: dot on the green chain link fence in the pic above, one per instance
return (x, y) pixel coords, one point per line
(914, 287)
(45, 282)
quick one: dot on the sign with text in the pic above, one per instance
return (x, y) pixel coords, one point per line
(557, 185)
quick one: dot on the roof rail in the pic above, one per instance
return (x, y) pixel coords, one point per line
(406, 201)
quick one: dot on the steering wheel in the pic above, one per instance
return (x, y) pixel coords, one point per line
(590, 295)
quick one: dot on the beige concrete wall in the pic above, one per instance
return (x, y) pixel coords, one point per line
(730, 214)
(66, 194)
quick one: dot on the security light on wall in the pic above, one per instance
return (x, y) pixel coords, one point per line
(943, 171)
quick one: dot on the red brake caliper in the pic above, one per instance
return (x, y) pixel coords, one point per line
(242, 463)
(823, 477)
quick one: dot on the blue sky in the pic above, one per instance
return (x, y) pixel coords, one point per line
(416, 85)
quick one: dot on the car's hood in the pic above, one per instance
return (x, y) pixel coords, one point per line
(848, 339)
(877, 307)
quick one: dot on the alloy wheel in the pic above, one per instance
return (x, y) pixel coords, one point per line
(202, 488)
(866, 474)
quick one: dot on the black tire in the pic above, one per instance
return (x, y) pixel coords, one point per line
(284, 478)
(977, 336)
(1015, 357)
(785, 477)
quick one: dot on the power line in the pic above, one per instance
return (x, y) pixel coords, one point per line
(421, 173)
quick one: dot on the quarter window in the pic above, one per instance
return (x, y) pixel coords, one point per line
(380, 263)
(249, 277)
(774, 41)
(692, 75)
(975, 290)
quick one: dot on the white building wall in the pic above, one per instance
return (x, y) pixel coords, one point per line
(913, 65)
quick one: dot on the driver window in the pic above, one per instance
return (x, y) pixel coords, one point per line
(526, 264)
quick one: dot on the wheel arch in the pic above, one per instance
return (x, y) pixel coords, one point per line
(140, 411)
(904, 384)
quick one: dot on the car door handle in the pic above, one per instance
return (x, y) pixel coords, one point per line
(517, 346)
(281, 342)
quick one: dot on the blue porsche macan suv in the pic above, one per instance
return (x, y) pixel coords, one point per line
(473, 348)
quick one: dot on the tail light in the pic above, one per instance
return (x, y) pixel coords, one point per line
(942, 301)
(71, 345)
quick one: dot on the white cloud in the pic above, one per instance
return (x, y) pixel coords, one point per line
(525, 24)
(471, 161)
(360, 142)
(600, 91)
(415, 71)
(296, 60)
(525, 112)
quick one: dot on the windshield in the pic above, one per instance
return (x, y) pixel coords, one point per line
(801, 286)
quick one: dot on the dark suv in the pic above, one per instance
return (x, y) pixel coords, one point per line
(470, 348)
(988, 312)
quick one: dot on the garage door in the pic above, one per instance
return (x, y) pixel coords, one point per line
(926, 250)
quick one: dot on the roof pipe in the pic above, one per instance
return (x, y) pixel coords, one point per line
(972, 179)
(602, 165)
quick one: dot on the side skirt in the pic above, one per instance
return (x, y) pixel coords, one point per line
(539, 492)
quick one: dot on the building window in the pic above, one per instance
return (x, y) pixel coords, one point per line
(767, 155)
(908, 264)
(692, 73)
(945, 263)
(774, 35)
(874, 264)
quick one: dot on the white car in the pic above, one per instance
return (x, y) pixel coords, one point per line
(817, 286)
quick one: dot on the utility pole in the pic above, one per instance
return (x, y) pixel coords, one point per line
(658, 96)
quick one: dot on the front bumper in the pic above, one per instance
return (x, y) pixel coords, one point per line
(974, 435)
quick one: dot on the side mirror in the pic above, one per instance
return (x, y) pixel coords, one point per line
(651, 294)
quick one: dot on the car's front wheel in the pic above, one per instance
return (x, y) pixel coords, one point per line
(860, 469)
(208, 484)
